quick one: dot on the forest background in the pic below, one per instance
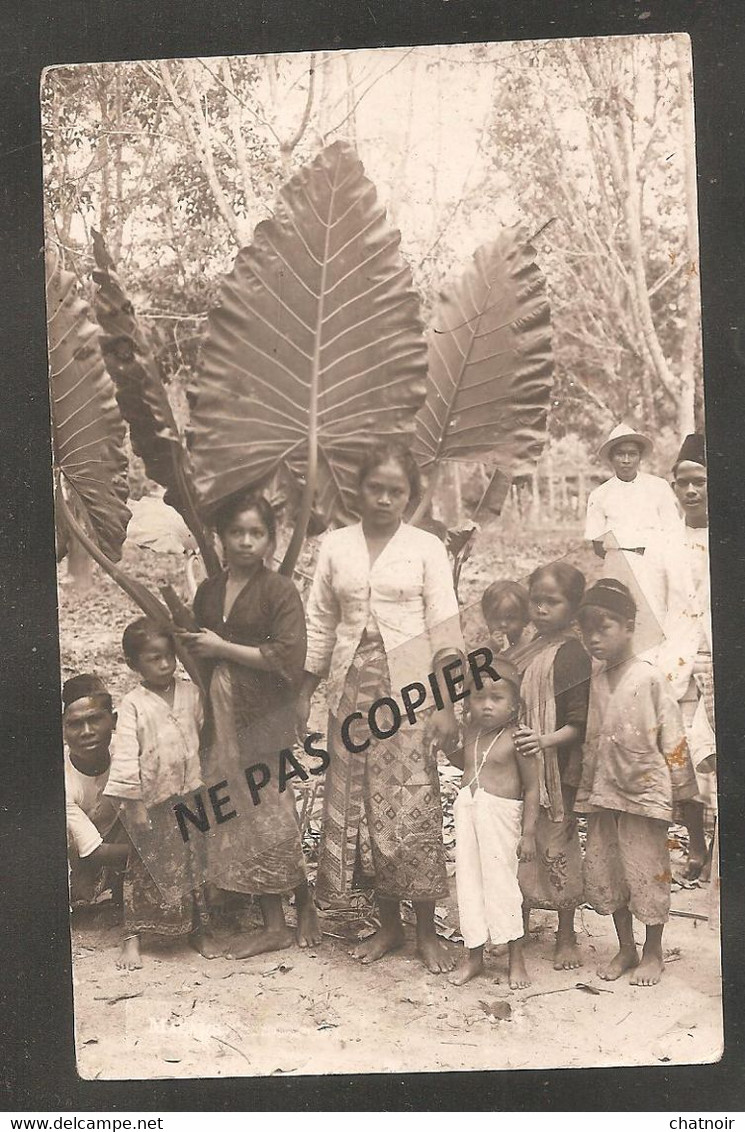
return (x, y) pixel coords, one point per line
(588, 142)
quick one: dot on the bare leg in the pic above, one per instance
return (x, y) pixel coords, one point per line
(307, 932)
(202, 938)
(275, 935)
(129, 956)
(627, 956)
(526, 922)
(470, 965)
(519, 977)
(693, 818)
(434, 954)
(388, 937)
(566, 952)
(649, 971)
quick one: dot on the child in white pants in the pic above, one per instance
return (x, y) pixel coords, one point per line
(495, 816)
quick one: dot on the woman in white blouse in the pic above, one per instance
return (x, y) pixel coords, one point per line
(381, 607)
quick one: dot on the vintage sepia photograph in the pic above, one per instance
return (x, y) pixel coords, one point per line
(380, 477)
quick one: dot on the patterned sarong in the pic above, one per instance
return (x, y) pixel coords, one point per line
(259, 852)
(382, 815)
(161, 875)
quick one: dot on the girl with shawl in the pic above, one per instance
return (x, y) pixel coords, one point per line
(253, 628)
(555, 689)
(381, 607)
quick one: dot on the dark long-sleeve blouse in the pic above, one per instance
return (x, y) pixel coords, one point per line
(572, 671)
(267, 614)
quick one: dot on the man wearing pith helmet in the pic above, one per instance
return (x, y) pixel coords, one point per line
(630, 508)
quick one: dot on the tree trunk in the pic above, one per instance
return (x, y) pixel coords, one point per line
(691, 331)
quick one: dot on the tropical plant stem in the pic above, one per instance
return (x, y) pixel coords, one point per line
(150, 605)
(426, 501)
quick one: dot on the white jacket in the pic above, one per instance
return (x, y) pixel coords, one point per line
(409, 591)
(682, 608)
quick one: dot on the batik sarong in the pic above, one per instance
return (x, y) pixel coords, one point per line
(382, 815)
(259, 851)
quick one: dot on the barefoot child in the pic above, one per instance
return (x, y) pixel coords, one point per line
(555, 689)
(636, 764)
(495, 816)
(505, 608)
(252, 629)
(155, 756)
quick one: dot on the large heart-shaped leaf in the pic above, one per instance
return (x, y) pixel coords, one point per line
(88, 430)
(490, 361)
(316, 349)
(142, 397)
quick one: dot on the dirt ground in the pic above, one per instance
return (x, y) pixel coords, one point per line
(312, 1012)
(320, 1012)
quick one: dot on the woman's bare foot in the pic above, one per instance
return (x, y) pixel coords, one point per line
(519, 977)
(129, 956)
(436, 956)
(257, 942)
(566, 953)
(624, 960)
(649, 971)
(471, 965)
(205, 943)
(694, 867)
(387, 938)
(308, 931)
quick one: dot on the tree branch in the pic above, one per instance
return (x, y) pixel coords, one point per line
(199, 137)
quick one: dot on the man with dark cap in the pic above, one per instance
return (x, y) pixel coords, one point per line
(679, 591)
(88, 721)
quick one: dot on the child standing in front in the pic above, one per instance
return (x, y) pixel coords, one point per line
(495, 815)
(155, 756)
(505, 608)
(636, 765)
(555, 689)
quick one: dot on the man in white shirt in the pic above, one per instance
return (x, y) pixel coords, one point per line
(679, 591)
(630, 508)
(88, 722)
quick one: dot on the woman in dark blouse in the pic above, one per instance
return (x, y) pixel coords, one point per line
(252, 627)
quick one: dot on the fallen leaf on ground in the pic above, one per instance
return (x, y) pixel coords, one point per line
(498, 1009)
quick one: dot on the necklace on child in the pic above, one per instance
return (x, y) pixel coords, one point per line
(488, 750)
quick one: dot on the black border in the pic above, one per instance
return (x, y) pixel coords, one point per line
(37, 1070)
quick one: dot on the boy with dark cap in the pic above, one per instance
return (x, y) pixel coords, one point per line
(88, 722)
(679, 592)
(635, 766)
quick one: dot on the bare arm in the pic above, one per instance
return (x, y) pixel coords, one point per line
(528, 742)
(115, 853)
(529, 778)
(212, 646)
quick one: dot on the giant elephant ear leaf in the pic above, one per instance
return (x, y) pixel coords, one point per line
(316, 350)
(490, 362)
(143, 399)
(88, 430)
